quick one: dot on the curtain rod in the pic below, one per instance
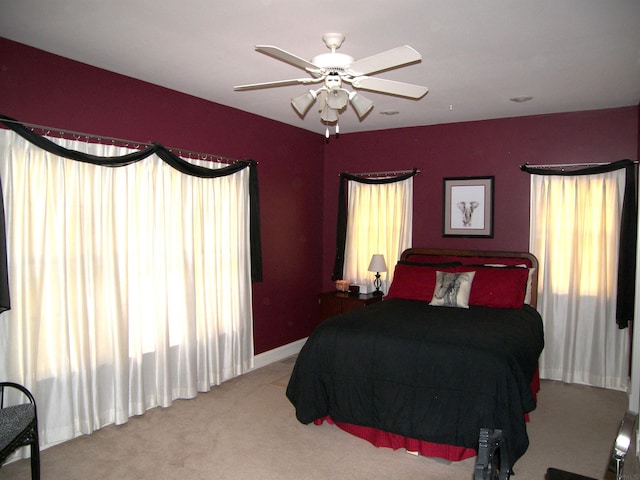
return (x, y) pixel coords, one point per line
(126, 143)
(383, 174)
(564, 165)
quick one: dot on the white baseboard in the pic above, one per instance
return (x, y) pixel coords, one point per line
(280, 353)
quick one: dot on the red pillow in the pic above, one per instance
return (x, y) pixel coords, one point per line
(414, 282)
(498, 287)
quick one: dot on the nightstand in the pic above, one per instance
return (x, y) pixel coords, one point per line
(335, 303)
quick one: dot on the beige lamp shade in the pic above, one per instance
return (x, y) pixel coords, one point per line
(377, 263)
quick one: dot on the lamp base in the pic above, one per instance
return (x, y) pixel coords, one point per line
(377, 283)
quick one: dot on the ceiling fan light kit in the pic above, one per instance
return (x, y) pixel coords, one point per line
(329, 115)
(360, 104)
(302, 103)
(332, 69)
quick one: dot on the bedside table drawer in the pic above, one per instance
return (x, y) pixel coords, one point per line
(335, 303)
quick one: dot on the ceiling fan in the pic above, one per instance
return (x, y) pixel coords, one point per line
(333, 69)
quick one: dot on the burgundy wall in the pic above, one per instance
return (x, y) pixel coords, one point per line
(44, 89)
(298, 212)
(484, 148)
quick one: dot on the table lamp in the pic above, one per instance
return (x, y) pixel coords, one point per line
(377, 265)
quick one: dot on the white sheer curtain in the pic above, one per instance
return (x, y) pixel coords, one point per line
(130, 286)
(575, 227)
(379, 220)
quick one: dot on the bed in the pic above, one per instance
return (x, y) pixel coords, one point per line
(452, 348)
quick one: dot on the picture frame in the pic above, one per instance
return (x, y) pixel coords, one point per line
(467, 207)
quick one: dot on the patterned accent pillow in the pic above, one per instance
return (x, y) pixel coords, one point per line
(452, 289)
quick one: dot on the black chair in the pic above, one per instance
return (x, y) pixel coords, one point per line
(618, 454)
(19, 426)
(492, 462)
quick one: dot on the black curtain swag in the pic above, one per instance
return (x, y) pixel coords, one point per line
(627, 245)
(341, 231)
(168, 157)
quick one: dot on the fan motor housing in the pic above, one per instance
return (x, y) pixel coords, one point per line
(332, 61)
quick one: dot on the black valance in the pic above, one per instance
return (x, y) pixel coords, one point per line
(119, 161)
(586, 170)
(627, 246)
(341, 231)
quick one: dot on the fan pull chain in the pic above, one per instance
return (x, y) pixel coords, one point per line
(327, 133)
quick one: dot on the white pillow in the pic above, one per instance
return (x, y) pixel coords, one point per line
(452, 289)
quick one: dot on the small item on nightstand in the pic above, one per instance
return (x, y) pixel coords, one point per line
(354, 289)
(342, 285)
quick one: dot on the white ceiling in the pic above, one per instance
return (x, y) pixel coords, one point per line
(569, 55)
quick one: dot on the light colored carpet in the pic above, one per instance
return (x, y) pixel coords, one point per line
(246, 429)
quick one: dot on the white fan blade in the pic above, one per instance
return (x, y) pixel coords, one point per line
(287, 57)
(396, 57)
(279, 83)
(390, 87)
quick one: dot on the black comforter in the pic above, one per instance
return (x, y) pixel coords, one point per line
(438, 374)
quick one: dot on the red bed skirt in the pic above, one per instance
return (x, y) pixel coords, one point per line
(380, 438)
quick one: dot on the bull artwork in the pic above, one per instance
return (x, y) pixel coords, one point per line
(467, 211)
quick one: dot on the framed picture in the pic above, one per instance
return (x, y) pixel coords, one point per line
(467, 207)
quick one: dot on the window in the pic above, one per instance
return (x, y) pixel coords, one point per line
(582, 231)
(130, 285)
(575, 233)
(379, 221)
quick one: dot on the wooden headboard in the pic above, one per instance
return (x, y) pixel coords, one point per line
(477, 257)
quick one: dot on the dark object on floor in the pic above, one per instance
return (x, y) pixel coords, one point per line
(492, 462)
(19, 426)
(618, 454)
(555, 474)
